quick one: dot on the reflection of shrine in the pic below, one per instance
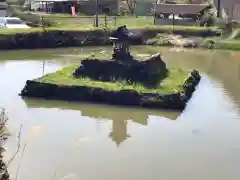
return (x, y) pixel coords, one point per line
(119, 116)
(119, 131)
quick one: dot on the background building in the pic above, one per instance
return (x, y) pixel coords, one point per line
(3, 8)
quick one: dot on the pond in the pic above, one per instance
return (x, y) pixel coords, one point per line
(100, 142)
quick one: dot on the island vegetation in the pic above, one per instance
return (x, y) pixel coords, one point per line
(172, 84)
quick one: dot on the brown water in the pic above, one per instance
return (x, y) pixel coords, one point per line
(99, 142)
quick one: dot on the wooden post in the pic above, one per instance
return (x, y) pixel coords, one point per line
(97, 14)
(30, 5)
(173, 21)
(41, 23)
(219, 9)
(155, 12)
(43, 30)
(115, 21)
(105, 20)
(43, 68)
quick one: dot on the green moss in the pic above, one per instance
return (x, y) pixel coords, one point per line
(228, 44)
(171, 84)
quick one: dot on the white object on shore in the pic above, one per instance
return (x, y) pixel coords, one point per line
(12, 23)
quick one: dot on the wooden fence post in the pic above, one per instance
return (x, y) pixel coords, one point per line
(115, 21)
(105, 20)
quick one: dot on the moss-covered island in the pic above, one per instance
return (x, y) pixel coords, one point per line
(123, 80)
(172, 92)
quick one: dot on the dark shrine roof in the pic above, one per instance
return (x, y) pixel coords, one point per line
(122, 33)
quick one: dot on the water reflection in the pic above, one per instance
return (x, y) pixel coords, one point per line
(119, 116)
(78, 140)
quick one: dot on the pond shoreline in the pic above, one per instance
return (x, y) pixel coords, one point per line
(219, 45)
(53, 38)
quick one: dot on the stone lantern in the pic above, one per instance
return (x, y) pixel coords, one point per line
(120, 39)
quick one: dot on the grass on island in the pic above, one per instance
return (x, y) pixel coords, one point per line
(171, 84)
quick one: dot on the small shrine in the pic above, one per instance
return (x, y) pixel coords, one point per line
(122, 65)
(121, 45)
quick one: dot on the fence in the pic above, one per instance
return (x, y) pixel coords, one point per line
(81, 21)
(87, 21)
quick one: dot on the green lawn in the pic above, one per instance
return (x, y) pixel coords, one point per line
(91, 28)
(66, 20)
(64, 76)
(109, 21)
(228, 44)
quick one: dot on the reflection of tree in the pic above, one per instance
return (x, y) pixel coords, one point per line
(138, 115)
(225, 67)
(118, 115)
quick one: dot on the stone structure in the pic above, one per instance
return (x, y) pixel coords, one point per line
(120, 40)
(123, 66)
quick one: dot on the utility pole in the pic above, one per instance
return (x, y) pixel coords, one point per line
(219, 9)
(97, 13)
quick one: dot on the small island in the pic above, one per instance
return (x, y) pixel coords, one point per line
(122, 80)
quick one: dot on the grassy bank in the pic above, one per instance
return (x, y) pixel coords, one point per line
(162, 29)
(228, 44)
(104, 21)
(53, 37)
(169, 85)
(82, 22)
(63, 30)
(219, 42)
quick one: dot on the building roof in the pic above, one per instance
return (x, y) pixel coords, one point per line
(231, 8)
(180, 8)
